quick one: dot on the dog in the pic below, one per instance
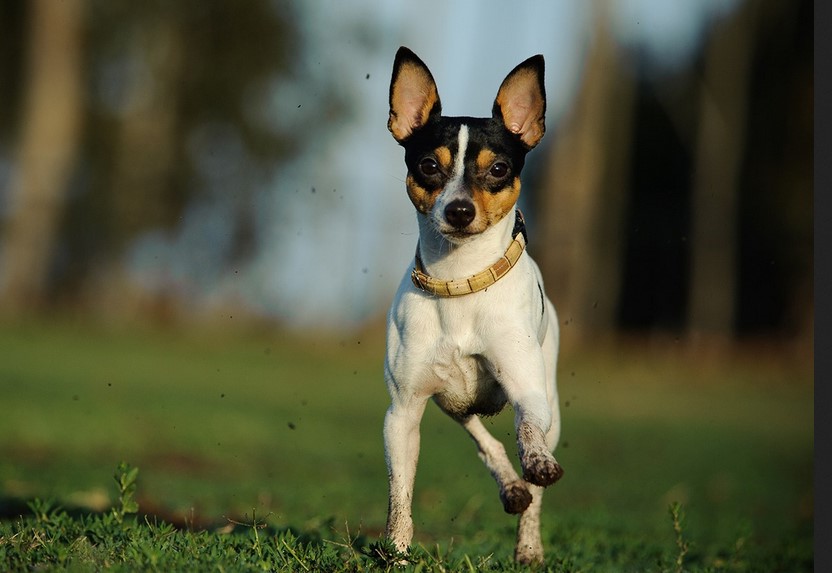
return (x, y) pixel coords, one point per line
(470, 325)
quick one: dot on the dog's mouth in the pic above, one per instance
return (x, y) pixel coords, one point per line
(457, 235)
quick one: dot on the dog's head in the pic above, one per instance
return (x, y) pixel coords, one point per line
(464, 172)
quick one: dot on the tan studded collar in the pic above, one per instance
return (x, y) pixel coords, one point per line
(479, 281)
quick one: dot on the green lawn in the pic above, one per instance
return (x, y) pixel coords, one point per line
(225, 421)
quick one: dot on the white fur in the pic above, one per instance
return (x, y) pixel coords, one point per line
(501, 342)
(454, 189)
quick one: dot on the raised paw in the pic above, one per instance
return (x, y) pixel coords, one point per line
(515, 497)
(541, 469)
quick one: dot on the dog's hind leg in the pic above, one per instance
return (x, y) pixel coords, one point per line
(514, 492)
(517, 495)
(529, 548)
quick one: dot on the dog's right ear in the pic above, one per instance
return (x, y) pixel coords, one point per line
(521, 101)
(413, 95)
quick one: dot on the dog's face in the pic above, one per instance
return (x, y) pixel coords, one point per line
(464, 172)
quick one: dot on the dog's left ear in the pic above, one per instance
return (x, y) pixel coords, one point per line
(521, 101)
(413, 95)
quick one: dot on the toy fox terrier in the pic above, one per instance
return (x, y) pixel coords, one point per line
(470, 325)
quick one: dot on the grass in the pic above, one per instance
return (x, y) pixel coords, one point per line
(262, 450)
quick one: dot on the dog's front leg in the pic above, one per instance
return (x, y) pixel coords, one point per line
(401, 449)
(521, 370)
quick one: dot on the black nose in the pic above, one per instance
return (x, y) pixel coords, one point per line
(459, 213)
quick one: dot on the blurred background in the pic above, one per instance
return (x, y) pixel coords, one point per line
(203, 221)
(167, 161)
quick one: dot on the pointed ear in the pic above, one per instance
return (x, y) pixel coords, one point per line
(413, 95)
(521, 101)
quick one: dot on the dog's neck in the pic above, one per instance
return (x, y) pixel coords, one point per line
(444, 259)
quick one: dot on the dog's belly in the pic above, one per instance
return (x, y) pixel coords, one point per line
(464, 386)
(487, 399)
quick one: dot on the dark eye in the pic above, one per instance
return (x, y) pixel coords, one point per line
(428, 166)
(498, 170)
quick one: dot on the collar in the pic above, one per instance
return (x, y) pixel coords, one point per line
(479, 281)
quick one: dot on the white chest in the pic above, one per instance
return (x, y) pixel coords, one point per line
(441, 351)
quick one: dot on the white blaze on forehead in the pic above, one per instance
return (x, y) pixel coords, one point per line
(455, 187)
(459, 160)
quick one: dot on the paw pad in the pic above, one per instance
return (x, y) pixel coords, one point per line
(542, 470)
(516, 497)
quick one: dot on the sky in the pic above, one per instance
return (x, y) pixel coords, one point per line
(336, 229)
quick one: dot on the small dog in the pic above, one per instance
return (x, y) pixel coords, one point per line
(470, 325)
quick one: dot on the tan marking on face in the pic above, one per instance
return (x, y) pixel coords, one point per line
(485, 158)
(491, 207)
(421, 198)
(443, 156)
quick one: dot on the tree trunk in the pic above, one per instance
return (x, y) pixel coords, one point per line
(583, 201)
(720, 147)
(145, 154)
(48, 146)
